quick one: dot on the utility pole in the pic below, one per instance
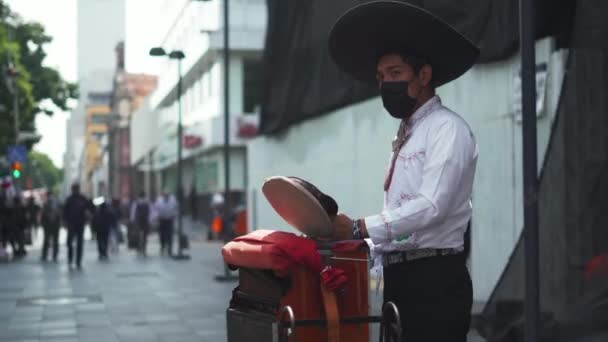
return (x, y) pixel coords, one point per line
(228, 212)
(530, 170)
(12, 80)
(227, 201)
(16, 110)
(180, 191)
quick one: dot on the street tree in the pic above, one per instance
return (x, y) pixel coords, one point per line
(22, 57)
(42, 172)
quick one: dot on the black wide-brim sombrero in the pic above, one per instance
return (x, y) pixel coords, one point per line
(368, 31)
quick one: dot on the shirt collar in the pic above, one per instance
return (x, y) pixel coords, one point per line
(428, 107)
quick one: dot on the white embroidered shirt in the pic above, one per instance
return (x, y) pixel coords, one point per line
(428, 202)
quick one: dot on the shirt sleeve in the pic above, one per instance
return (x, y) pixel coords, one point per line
(449, 150)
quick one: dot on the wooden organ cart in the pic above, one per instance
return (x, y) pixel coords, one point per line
(266, 307)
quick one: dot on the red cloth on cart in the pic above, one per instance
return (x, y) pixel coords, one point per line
(280, 251)
(268, 249)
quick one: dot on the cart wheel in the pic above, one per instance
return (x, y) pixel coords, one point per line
(390, 327)
(290, 332)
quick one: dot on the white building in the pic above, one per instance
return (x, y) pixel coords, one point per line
(346, 152)
(101, 25)
(196, 29)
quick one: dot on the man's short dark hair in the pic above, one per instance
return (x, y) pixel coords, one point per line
(416, 62)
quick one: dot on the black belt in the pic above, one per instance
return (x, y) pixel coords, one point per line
(415, 254)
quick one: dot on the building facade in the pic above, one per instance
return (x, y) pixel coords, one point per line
(196, 31)
(128, 93)
(97, 114)
(101, 25)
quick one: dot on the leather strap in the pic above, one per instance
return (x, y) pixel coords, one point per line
(331, 314)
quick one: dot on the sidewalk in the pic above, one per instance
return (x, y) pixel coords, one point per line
(129, 298)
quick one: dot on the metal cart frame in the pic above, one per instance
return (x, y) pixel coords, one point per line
(390, 323)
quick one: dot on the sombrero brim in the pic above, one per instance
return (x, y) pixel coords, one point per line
(297, 206)
(366, 32)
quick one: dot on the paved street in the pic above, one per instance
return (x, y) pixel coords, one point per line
(129, 298)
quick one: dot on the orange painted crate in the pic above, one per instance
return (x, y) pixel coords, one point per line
(305, 298)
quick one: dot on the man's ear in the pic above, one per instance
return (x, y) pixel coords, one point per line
(425, 75)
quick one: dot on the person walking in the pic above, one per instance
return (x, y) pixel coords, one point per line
(32, 218)
(115, 230)
(141, 212)
(102, 222)
(167, 210)
(51, 221)
(76, 211)
(18, 223)
(4, 226)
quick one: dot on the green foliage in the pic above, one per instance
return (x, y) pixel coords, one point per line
(42, 172)
(22, 47)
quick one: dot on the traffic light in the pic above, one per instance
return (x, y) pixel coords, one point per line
(16, 169)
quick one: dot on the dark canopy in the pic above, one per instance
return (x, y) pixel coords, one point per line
(303, 83)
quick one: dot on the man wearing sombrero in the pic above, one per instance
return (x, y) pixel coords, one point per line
(408, 52)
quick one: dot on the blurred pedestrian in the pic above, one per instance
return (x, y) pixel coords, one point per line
(193, 203)
(217, 221)
(51, 221)
(116, 226)
(32, 217)
(167, 210)
(4, 227)
(141, 213)
(103, 221)
(76, 211)
(18, 224)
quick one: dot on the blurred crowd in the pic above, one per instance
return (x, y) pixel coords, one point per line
(109, 220)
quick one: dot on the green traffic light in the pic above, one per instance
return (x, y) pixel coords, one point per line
(16, 173)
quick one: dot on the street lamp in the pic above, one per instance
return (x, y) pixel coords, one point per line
(227, 276)
(177, 55)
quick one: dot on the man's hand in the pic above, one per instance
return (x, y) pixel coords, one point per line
(342, 227)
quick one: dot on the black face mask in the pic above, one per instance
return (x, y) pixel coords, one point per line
(396, 100)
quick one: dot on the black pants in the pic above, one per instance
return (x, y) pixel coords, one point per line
(103, 235)
(143, 229)
(9, 238)
(434, 296)
(75, 232)
(19, 240)
(166, 235)
(51, 237)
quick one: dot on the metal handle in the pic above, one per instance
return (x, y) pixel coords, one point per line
(390, 307)
(292, 322)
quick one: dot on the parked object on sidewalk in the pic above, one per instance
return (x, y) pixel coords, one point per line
(217, 222)
(216, 226)
(301, 287)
